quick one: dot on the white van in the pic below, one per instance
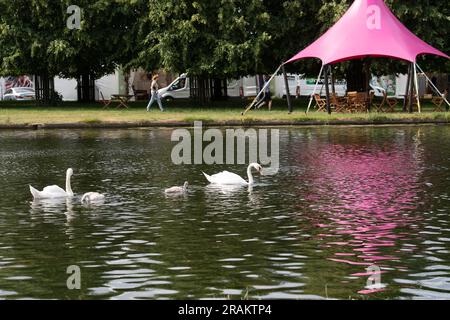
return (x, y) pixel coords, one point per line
(180, 88)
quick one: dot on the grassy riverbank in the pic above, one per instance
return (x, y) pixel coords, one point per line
(74, 113)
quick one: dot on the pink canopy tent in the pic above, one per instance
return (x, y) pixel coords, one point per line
(367, 29)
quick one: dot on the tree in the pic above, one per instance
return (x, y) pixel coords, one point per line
(224, 39)
(211, 40)
(34, 39)
(105, 41)
(25, 37)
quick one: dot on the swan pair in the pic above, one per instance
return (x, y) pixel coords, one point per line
(55, 192)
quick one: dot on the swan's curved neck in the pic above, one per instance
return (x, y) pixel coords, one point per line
(68, 186)
(250, 175)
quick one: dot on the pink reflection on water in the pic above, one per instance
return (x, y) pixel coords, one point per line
(370, 291)
(363, 197)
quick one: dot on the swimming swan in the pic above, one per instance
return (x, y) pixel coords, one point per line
(92, 197)
(52, 192)
(182, 189)
(229, 178)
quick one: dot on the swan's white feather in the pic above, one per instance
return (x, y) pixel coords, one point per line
(54, 192)
(174, 190)
(48, 192)
(92, 197)
(226, 178)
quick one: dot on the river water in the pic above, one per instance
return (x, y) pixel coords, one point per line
(344, 200)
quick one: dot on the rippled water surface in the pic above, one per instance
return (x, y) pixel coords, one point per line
(343, 200)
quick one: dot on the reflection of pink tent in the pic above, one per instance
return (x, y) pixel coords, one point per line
(369, 29)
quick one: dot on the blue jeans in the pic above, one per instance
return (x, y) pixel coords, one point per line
(155, 97)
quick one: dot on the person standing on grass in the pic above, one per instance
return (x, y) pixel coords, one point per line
(155, 95)
(267, 97)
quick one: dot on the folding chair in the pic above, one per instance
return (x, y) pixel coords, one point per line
(105, 102)
(338, 103)
(361, 102)
(438, 101)
(389, 102)
(351, 98)
(321, 104)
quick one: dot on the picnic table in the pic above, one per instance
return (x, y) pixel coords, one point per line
(122, 100)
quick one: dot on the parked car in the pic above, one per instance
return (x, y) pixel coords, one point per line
(20, 94)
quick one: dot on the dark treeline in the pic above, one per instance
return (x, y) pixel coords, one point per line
(211, 39)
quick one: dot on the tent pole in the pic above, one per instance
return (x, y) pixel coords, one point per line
(368, 77)
(333, 87)
(432, 84)
(416, 79)
(315, 89)
(288, 94)
(411, 90)
(262, 90)
(327, 88)
(408, 81)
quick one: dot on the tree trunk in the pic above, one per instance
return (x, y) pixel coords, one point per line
(44, 88)
(86, 88)
(199, 90)
(204, 89)
(356, 76)
(126, 79)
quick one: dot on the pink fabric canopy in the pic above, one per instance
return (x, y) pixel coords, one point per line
(368, 28)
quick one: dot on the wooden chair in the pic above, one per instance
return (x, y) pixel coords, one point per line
(351, 101)
(388, 104)
(321, 104)
(105, 102)
(438, 101)
(361, 101)
(339, 104)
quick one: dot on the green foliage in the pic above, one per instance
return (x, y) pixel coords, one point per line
(430, 20)
(226, 38)
(34, 37)
(220, 38)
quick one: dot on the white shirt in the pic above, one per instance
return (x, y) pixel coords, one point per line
(154, 86)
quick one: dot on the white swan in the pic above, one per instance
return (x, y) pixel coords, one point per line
(182, 189)
(92, 197)
(53, 192)
(229, 178)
